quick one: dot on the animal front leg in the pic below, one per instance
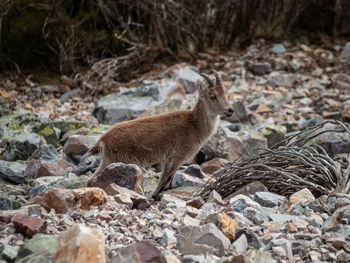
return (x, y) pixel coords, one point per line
(168, 172)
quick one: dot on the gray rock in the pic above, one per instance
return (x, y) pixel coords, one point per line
(334, 143)
(182, 179)
(87, 163)
(286, 244)
(249, 189)
(239, 246)
(47, 153)
(79, 144)
(194, 170)
(132, 103)
(260, 68)
(273, 134)
(21, 147)
(282, 217)
(268, 199)
(312, 122)
(194, 258)
(69, 94)
(240, 113)
(168, 235)
(40, 247)
(255, 215)
(201, 240)
(252, 238)
(278, 48)
(346, 51)
(231, 145)
(5, 203)
(277, 79)
(188, 78)
(300, 247)
(13, 172)
(9, 253)
(49, 132)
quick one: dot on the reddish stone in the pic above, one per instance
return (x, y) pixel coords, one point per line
(346, 114)
(64, 200)
(29, 226)
(125, 175)
(40, 168)
(79, 144)
(213, 165)
(197, 202)
(143, 251)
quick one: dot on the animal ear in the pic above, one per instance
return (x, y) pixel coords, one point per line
(200, 86)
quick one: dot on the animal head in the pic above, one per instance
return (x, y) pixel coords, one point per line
(213, 95)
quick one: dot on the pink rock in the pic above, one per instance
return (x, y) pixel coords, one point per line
(28, 225)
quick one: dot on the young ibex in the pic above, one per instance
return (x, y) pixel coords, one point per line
(169, 138)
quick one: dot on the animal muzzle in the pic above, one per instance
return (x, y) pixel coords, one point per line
(229, 112)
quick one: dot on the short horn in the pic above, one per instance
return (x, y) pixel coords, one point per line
(218, 80)
(209, 80)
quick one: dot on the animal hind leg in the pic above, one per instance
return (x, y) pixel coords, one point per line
(99, 170)
(168, 172)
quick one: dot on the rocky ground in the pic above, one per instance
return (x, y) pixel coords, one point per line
(49, 214)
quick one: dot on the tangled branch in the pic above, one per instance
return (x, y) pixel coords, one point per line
(291, 165)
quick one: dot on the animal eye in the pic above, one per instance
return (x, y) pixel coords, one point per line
(213, 97)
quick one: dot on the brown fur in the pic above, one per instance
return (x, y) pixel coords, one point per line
(169, 138)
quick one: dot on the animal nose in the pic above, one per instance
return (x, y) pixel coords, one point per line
(229, 112)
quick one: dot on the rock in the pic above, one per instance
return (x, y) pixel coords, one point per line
(346, 51)
(260, 68)
(273, 134)
(126, 175)
(239, 113)
(13, 172)
(201, 240)
(301, 197)
(182, 179)
(224, 223)
(213, 165)
(282, 217)
(268, 199)
(64, 200)
(312, 122)
(277, 79)
(231, 145)
(285, 244)
(249, 189)
(69, 94)
(6, 203)
(196, 202)
(171, 259)
(346, 114)
(134, 102)
(171, 199)
(188, 78)
(337, 217)
(8, 253)
(41, 168)
(124, 199)
(28, 225)
(20, 147)
(138, 201)
(183, 192)
(40, 247)
(46, 153)
(252, 238)
(80, 244)
(255, 215)
(278, 48)
(142, 251)
(279, 252)
(49, 132)
(334, 143)
(194, 170)
(341, 81)
(87, 163)
(254, 256)
(215, 197)
(79, 144)
(239, 246)
(168, 236)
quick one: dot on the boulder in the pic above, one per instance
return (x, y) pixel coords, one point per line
(196, 202)
(134, 102)
(301, 197)
(202, 240)
(278, 49)
(79, 144)
(64, 200)
(8, 253)
(268, 199)
(49, 132)
(215, 197)
(260, 68)
(21, 147)
(346, 51)
(188, 77)
(213, 165)
(40, 248)
(81, 244)
(41, 168)
(87, 163)
(182, 179)
(194, 170)
(277, 79)
(46, 153)
(224, 223)
(249, 189)
(240, 245)
(273, 134)
(122, 193)
(231, 145)
(13, 172)
(28, 225)
(126, 175)
(142, 252)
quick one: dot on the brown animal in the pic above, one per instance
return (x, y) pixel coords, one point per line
(169, 138)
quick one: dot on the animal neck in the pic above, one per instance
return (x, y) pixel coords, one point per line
(205, 119)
